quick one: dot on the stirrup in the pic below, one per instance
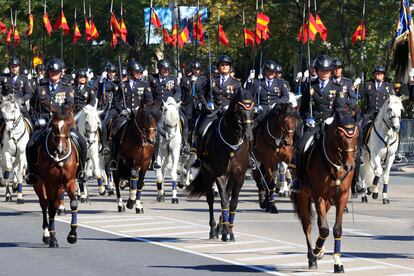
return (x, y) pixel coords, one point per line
(31, 178)
(156, 166)
(295, 187)
(113, 165)
(82, 176)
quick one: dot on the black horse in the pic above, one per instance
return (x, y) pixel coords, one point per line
(223, 153)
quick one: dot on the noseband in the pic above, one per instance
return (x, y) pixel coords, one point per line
(56, 157)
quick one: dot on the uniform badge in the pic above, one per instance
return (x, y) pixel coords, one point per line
(387, 88)
(60, 97)
(369, 86)
(43, 92)
(312, 91)
(140, 90)
(332, 93)
(170, 85)
(342, 94)
(229, 89)
(213, 84)
(72, 94)
(277, 91)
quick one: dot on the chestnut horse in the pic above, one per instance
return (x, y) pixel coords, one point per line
(135, 142)
(327, 181)
(273, 143)
(223, 154)
(57, 164)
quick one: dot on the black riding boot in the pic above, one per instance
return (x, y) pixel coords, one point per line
(104, 139)
(31, 156)
(82, 150)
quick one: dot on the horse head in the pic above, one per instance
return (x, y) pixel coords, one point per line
(146, 120)
(92, 125)
(391, 113)
(11, 111)
(170, 114)
(62, 118)
(344, 135)
(242, 107)
(285, 118)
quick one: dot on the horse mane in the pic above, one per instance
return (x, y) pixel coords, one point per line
(61, 112)
(289, 111)
(241, 95)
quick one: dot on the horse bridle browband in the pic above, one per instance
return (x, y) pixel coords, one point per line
(56, 158)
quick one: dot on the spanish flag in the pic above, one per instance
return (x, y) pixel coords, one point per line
(323, 30)
(76, 33)
(248, 37)
(183, 37)
(36, 61)
(16, 36)
(174, 36)
(360, 33)
(303, 33)
(114, 41)
(90, 30)
(29, 31)
(9, 36)
(116, 28)
(124, 31)
(47, 24)
(3, 28)
(166, 36)
(262, 21)
(61, 23)
(198, 30)
(154, 19)
(222, 36)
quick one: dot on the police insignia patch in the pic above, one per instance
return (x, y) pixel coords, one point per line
(140, 90)
(72, 94)
(213, 84)
(369, 86)
(43, 92)
(387, 88)
(342, 94)
(170, 85)
(312, 91)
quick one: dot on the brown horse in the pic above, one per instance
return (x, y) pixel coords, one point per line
(273, 143)
(57, 165)
(223, 154)
(326, 181)
(135, 143)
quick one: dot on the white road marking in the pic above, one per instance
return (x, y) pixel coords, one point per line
(271, 257)
(118, 220)
(156, 229)
(252, 250)
(357, 232)
(353, 269)
(137, 224)
(172, 234)
(197, 246)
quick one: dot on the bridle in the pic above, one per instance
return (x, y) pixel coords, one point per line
(143, 132)
(16, 122)
(56, 156)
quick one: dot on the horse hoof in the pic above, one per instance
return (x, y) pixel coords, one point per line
(179, 185)
(174, 200)
(130, 204)
(20, 201)
(374, 195)
(8, 199)
(262, 205)
(102, 193)
(285, 194)
(224, 238)
(273, 210)
(72, 238)
(111, 193)
(160, 198)
(61, 212)
(364, 199)
(385, 201)
(216, 194)
(139, 210)
(46, 240)
(368, 192)
(212, 235)
(312, 264)
(53, 243)
(339, 269)
(121, 209)
(232, 239)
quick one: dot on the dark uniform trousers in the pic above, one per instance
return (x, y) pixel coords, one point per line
(43, 98)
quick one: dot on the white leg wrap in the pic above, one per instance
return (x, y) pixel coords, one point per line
(138, 204)
(160, 192)
(337, 259)
(61, 207)
(19, 196)
(133, 194)
(384, 195)
(46, 232)
(174, 193)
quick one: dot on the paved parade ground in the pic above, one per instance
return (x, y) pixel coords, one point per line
(173, 239)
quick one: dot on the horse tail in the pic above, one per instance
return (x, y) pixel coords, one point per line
(196, 188)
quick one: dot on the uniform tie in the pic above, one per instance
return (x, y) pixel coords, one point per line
(53, 88)
(322, 85)
(223, 79)
(269, 83)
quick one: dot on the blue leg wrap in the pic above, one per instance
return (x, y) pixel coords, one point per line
(174, 185)
(138, 194)
(74, 220)
(337, 247)
(272, 195)
(385, 188)
(100, 182)
(20, 188)
(376, 180)
(51, 225)
(134, 184)
(62, 197)
(6, 175)
(282, 177)
(225, 215)
(231, 217)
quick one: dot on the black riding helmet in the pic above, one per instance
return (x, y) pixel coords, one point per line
(82, 73)
(40, 67)
(195, 64)
(323, 62)
(379, 68)
(337, 63)
(110, 67)
(270, 66)
(134, 66)
(163, 63)
(54, 65)
(223, 59)
(124, 72)
(14, 61)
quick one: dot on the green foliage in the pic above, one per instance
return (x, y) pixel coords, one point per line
(340, 17)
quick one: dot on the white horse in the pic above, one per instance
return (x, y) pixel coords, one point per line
(88, 122)
(15, 138)
(169, 141)
(379, 153)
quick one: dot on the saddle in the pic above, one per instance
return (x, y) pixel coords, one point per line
(367, 133)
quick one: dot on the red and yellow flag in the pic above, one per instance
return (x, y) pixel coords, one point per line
(90, 30)
(61, 23)
(183, 37)
(323, 30)
(303, 33)
(360, 33)
(29, 30)
(155, 20)
(248, 37)
(198, 30)
(124, 31)
(314, 28)
(167, 39)
(222, 36)
(16, 36)
(3, 28)
(9, 36)
(114, 41)
(36, 61)
(262, 21)
(76, 33)
(47, 24)
(174, 35)
(116, 27)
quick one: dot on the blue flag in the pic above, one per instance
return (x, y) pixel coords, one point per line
(404, 19)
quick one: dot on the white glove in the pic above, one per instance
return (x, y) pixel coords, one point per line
(310, 122)
(305, 75)
(193, 78)
(251, 76)
(357, 82)
(90, 76)
(41, 122)
(126, 112)
(145, 73)
(180, 75)
(104, 75)
(329, 120)
(29, 76)
(411, 73)
(260, 76)
(74, 76)
(299, 77)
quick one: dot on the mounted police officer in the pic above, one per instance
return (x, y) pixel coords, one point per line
(107, 88)
(320, 100)
(347, 86)
(14, 83)
(374, 95)
(269, 90)
(164, 85)
(84, 94)
(52, 91)
(131, 93)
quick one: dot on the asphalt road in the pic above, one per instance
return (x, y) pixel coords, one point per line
(173, 239)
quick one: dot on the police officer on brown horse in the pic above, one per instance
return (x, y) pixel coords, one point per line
(52, 91)
(321, 98)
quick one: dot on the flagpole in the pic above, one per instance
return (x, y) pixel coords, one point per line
(112, 31)
(309, 61)
(302, 48)
(12, 33)
(149, 30)
(74, 45)
(61, 32)
(255, 35)
(244, 49)
(362, 47)
(43, 33)
(178, 45)
(86, 35)
(30, 39)
(196, 31)
(218, 32)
